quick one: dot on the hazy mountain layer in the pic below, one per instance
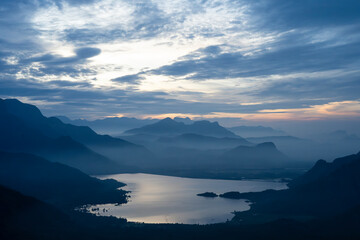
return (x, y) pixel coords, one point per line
(261, 156)
(256, 131)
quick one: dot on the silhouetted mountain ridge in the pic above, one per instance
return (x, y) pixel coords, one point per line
(53, 127)
(170, 127)
(17, 136)
(31, 120)
(111, 125)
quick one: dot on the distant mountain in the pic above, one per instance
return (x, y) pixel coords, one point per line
(34, 123)
(115, 126)
(191, 140)
(112, 125)
(273, 139)
(256, 131)
(261, 156)
(185, 120)
(294, 147)
(343, 135)
(56, 183)
(170, 127)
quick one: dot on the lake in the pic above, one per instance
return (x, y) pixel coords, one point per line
(165, 199)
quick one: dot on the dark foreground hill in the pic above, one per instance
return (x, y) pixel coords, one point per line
(56, 183)
(23, 217)
(322, 169)
(325, 190)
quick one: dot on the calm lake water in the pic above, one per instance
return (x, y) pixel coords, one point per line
(164, 199)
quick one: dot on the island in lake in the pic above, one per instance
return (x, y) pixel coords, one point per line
(208, 194)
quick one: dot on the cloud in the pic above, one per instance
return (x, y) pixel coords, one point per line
(281, 58)
(87, 52)
(51, 64)
(63, 83)
(280, 14)
(81, 54)
(185, 57)
(135, 20)
(133, 78)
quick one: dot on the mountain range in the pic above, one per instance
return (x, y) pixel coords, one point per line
(25, 129)
(170, 127)
(111, 125)
(116, 125)
(38, 196)
(203, 147)
(169, 145)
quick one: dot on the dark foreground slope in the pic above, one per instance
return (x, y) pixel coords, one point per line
(23, 217)
(56, 183)
(322, 169)
(326, 190)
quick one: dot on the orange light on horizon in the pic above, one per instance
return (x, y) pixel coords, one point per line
(313, 112)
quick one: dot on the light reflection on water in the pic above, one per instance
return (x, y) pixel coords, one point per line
(164, 199)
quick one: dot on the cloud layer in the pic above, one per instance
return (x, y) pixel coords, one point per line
(239, 59)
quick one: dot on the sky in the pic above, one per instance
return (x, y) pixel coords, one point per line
(274, 61)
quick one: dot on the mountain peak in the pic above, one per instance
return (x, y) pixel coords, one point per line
(205, 123)
(185, 120)
(266, 145)
(170, 127)
(168, 121)
(22, 110)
